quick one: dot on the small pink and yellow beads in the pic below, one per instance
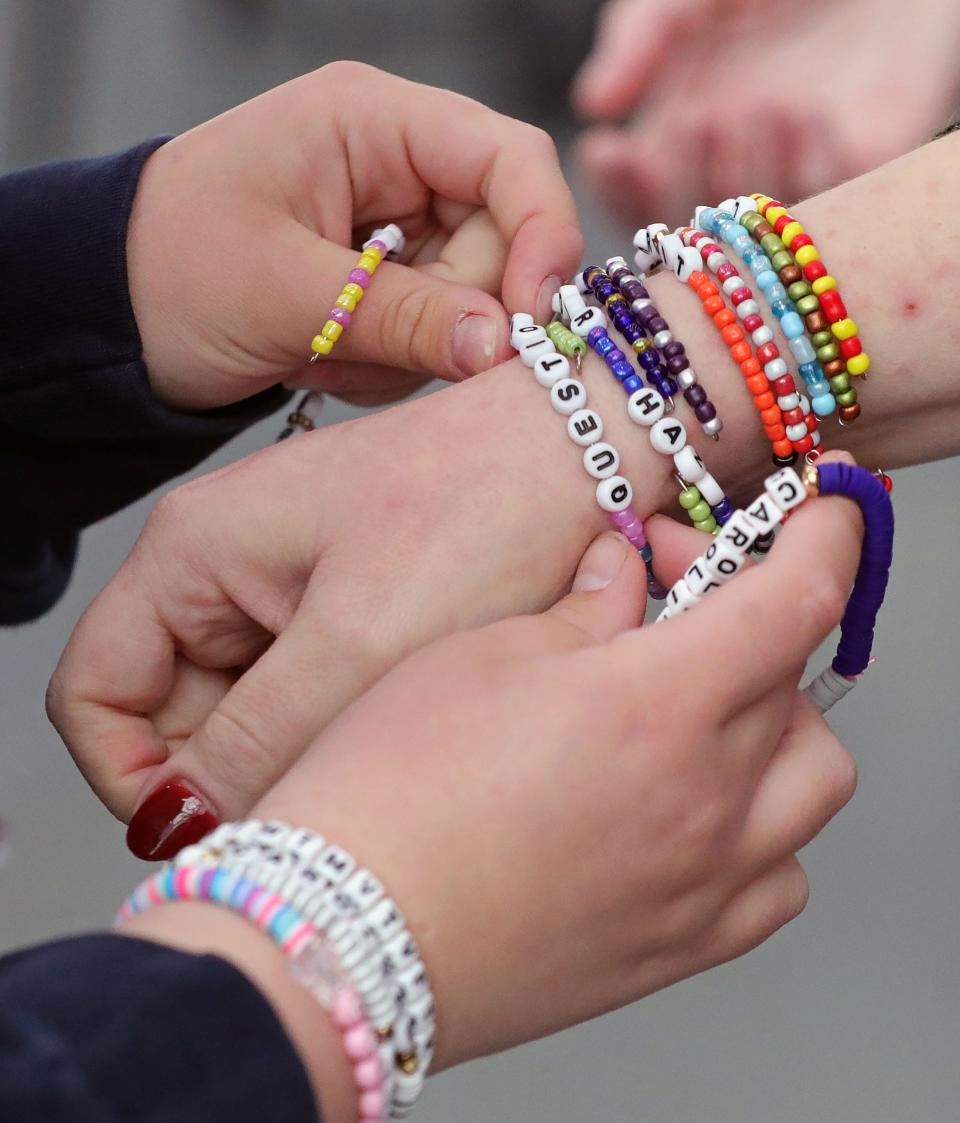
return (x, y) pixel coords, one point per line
(382, 242)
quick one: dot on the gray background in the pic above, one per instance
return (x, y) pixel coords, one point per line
(851, 1014)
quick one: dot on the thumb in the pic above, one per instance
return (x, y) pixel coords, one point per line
(407, 318)
(609, 591)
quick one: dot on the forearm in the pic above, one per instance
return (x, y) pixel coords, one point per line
(204, 929)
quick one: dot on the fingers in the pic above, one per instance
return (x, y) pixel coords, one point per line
(470, 154)
(408, 317)
(757, 912)
(630, 41)
(809, 779)
(608, 595)
(767, 620)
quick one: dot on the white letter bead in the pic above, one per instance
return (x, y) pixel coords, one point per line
(614, 494)
(728, 206)
(616, 263)
(738, 532)
(764, 514)
(526, 333)
(711, 491)
(529, 352)
(585, 427)
(722, 562)
(645, 406)
(601, 460)
(567, 396)
(746, 308)
(762, 335)
(695, 222)
(571, 302)
(745, 205)
(670, 247)
(699, 580)
(689, 465)
(555, 305)
(679, 599)
(549, 369)
(645, 261)
(586, 321)
(520, 320)
(785, 488)
(688, 262)
(665, 614)
(581, 282)
(668, 435)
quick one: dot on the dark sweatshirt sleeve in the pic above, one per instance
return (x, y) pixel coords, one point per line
(107, 1029)
(81, 435)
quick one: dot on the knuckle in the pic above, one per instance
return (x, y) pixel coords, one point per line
(54, 699)
(348, 71)
(793, 895)
(407, 333)
(239, 756)
(823, 602)
(841, 781)
(540, 142)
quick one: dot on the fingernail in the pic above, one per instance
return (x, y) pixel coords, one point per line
(474, 344)
(171, 818)
(548, 289)
(600, 565)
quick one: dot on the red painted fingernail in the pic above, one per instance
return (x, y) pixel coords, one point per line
(171, 818)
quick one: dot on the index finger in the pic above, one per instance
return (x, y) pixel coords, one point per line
(747, 636)
(471, 154)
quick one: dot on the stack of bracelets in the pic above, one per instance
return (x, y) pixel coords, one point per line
(346, 941)
(749, 237)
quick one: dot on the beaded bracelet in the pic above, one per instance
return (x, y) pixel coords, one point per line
(383, 242)
(293, 934)
(386, 242)
(837, 342)
(708, 507)
(347, 943)
(611, 288)
(724, 225)
(784, 491)
(538, 350)
(765, 372)
(364, 929)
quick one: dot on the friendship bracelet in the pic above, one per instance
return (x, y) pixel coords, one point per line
(783, 412)
(838, 345)
(784, 491)
(383, 242)
(667, 357)
(646, 407)
(723, 225)
(346, 941)
(568, 396)
(364, 930)
(293, 934)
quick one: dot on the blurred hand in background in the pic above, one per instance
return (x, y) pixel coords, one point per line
(723, 99)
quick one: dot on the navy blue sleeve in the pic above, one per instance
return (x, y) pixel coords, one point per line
(81, 435)
(108, 1029)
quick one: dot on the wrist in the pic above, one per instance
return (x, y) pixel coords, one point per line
(200, 928)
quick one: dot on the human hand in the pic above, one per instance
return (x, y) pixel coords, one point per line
(240, 234)
(695, 142)
(262, 599)
(671, 796)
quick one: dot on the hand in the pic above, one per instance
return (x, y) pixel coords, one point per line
(262, 599)
(238, 241)
(683, 150)
(612, 812)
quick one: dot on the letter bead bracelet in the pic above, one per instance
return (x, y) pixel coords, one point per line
(346, 942)
(783, 492)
